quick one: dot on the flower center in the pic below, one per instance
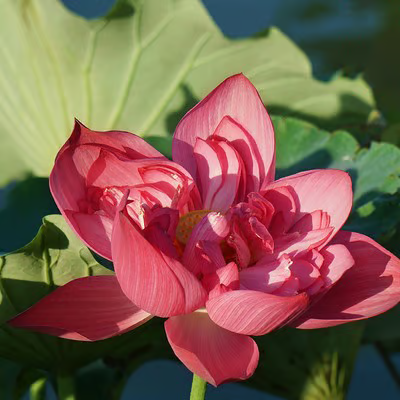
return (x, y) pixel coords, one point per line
(187, 223)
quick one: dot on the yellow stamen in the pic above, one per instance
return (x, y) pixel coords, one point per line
(187, 223)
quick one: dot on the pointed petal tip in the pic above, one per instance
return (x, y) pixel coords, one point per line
(85, 309)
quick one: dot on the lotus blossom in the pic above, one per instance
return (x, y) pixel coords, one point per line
(210, 240)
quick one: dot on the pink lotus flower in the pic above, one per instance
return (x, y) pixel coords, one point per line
(210, 241)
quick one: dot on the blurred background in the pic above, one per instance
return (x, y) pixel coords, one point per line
(345, 37)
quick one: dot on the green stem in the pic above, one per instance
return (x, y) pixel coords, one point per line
(65, 386)
(199, 387)
(37, 390)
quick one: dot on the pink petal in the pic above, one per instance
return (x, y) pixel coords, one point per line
(237, 98)
(284, 206)
(240, 245)
(369, 288)
(337, 260)
(88, 309)
(247, 148)
(223, 280)
(296, 243)
(254, 313)
(124, 143)
(93, 229)
(327, 190)
(219, 172)
(267, 277)
(79, 152)
(213, 353)
(155, 282)
(309, 222)
(213, 228)
(305, 272)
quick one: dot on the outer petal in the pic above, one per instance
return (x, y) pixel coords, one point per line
(81, 150)
(369, 288)
(254, 313)
(81, 163)
(155, 282)
(235, 97)
(124, 143)
(328, 190)
(87, 309)
(211, 352)
(94, 230)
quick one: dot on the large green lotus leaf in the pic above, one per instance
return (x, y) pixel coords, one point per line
(53, 258)
(25, 204)
(140, 72)
(308, 365)
(374, 170)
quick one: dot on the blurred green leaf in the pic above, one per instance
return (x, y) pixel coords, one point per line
(9, 372)
(30, 381)
(375, 170)
(308, 364)
(140, 72)
(52, 259)
(25, 204)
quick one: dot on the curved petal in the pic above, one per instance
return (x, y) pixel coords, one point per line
(86, 309)
(94, 230)
(328, 190)
(155, 282)
(246, 146)
(223, 280)
(235, 97)
(211, 352)
(123, 143)
(337, 260)
(254, 313)
(369, 288)
(155, 181)
(73, 161)
(266, 277)
(219, 172)
(211, 230)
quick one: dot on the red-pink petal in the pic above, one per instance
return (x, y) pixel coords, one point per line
(267, 277)
(237, 98)
(94, 230)
(254, 313)
(369, 288)
(247, 148)
(309, 222)
(87, 309)
(328, 190)
(223, 280)
(211, 352)
(154, 281)
(219, 173)
(67, 179)
(213, 228)
(124, 143)
(337, 260)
